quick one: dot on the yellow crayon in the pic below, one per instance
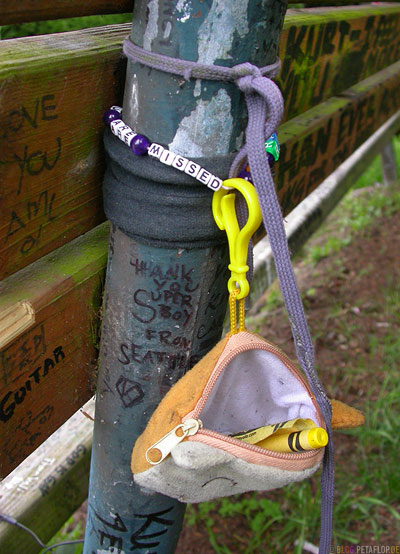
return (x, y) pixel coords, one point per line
(254, 436)
(295, 435)
(296, 441)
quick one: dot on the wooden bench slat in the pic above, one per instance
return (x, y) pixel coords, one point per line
(47, 372)
(51, 139)
(27, 10)
(42, 10)
(48, 486)
(55, 90)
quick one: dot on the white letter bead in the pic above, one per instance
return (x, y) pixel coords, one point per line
(155, 150)
(215, 183)
(123, 129)
(115, 125)
(127, 135)
(167, 157)
(204, 176)
(116, 108)
(192, 169)
(180, 163)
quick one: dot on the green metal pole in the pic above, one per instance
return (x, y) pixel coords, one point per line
(164, 304)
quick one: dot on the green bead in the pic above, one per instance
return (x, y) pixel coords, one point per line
(272, 146)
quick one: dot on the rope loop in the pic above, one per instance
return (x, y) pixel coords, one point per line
(196, 70)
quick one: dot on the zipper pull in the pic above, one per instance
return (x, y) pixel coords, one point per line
(171, 439)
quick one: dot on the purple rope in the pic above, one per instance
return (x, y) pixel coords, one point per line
(264, 100)
(192, 70)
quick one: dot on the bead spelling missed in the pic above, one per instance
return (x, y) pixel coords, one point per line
(140, 145)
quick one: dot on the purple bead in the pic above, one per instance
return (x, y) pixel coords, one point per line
(139, 145)
(110, 115)
(271, 159)
(245, 175)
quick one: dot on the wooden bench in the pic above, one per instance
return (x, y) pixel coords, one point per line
(340, 79)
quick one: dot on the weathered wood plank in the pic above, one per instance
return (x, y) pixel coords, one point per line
(316, 142)
(31, 10)
(326, 51)
(47, 372)
(34, 10)
(51, 126)
(48, 486)
(54, 92)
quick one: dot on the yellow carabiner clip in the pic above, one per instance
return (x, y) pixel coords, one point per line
(223, 207)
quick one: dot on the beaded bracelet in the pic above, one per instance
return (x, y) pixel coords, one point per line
(141, 145)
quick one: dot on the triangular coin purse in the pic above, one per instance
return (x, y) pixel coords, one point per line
(187, 451)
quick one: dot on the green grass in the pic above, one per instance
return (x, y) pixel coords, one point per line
(374, 173)
(331, 246)
(274, 299)
(355, 213)
(69, 532)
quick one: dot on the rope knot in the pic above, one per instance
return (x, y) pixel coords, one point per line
(243, 74)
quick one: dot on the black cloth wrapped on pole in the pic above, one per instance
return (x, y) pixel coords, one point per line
(139, 191)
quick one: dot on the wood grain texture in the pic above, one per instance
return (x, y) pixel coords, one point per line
(33, 10)
(341, 3)
(57, 87)
(47, 372)
(55, 90)
(41, 10)
(14, 320)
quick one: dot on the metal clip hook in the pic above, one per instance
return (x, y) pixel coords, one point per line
(223, 207)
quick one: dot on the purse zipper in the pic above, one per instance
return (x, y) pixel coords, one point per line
(258, 449)
(171, 439)
(192, 427)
